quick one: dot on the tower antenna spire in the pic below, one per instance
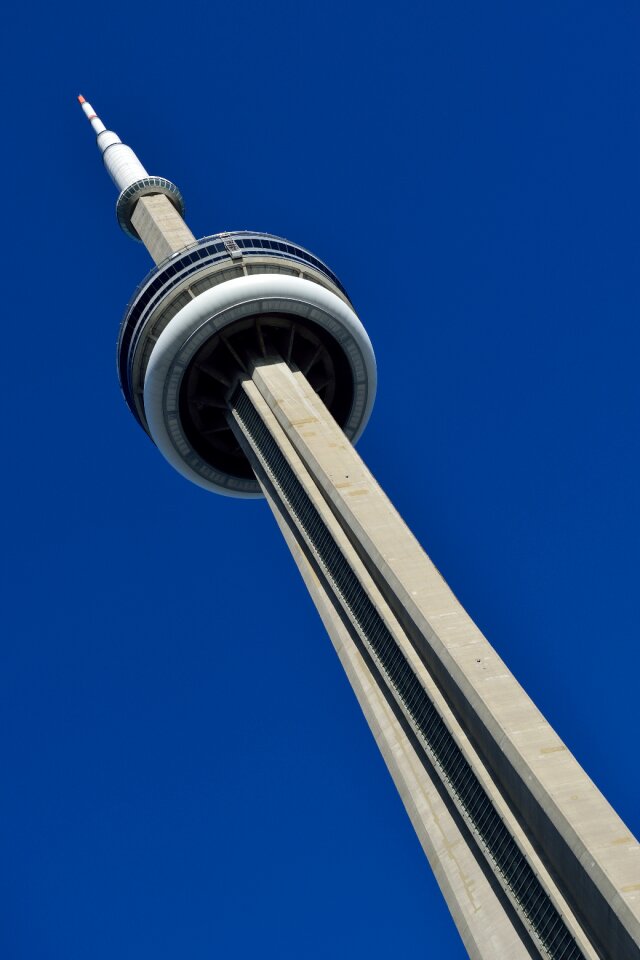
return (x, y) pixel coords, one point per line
(148, 208)
(122, 164)
(91, 115)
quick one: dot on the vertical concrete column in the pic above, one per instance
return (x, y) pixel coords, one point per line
(160, 227)
(581, 839)
(492, 922)
(487, 930)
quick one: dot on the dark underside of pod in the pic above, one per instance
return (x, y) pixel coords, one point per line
(230, 354)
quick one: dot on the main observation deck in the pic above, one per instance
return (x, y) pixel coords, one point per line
(302, 314)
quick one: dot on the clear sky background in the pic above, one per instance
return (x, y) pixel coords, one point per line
(185, 771)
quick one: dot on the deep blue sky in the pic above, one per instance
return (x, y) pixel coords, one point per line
(185, 771)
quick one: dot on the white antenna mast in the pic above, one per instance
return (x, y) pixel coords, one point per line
(150, 209)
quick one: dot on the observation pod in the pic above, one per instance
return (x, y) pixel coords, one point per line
(205, 315)
(209, 311)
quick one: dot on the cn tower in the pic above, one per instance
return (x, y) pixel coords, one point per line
(244, 360)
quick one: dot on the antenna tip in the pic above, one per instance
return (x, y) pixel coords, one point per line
(80, 98)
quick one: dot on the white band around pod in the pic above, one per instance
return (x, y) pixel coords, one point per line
(219, 307)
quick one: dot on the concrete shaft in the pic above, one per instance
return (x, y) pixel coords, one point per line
(576, 849)
(486, 925)
(160, 227)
